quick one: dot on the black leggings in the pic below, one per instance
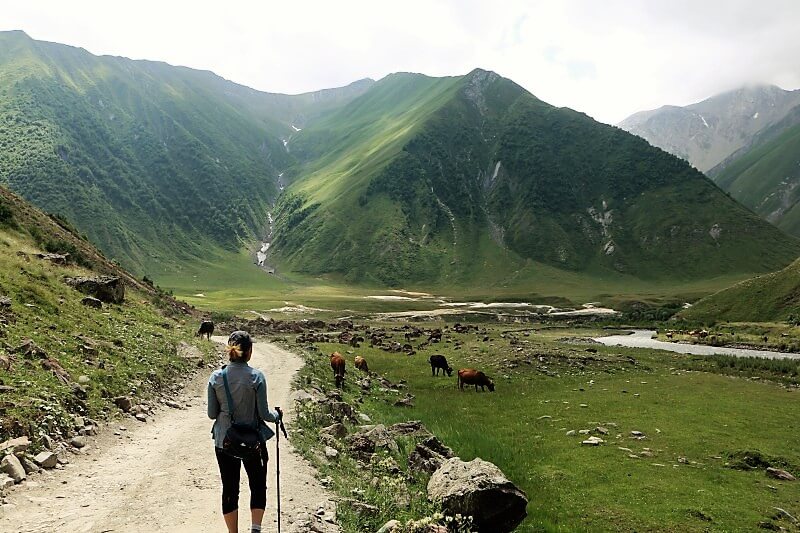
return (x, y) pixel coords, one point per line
(230, 468)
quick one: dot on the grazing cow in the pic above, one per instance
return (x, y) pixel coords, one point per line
(669, 334)
(470, 376)
(337, 364)
(361, 364)
(440, 362)
(206, 328)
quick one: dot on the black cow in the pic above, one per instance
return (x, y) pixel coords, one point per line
(206, 328)
(437, 362)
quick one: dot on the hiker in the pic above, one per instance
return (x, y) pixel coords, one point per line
(240, 432)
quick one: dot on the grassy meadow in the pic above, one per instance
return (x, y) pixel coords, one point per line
(697, 422)
(230, 283)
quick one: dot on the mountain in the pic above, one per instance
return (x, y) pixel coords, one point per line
(766, 175)
(411, 179)
(156, 164)
(766, 298)
(706, 133)
(471, 178)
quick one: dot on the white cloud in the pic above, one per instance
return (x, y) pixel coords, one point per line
(608, 59)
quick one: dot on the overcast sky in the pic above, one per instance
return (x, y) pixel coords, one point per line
(608, 58)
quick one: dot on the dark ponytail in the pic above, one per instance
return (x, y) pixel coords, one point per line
(239, 343)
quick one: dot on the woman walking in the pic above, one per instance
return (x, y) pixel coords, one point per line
(237, 402)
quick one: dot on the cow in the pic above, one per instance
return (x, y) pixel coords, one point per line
(470, 376)
(338, 364)
(669, 334)
(361, 364)
(206, 328)
(440, 362)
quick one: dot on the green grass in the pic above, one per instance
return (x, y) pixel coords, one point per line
(699, 416)
(133, 345)
(769, 297)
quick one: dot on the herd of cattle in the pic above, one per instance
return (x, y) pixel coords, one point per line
(466, 376)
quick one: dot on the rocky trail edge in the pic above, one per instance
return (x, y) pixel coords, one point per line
(162, 475)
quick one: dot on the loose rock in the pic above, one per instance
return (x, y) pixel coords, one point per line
(478, 489)
(777, 473)
(46, 459)
(12, 466)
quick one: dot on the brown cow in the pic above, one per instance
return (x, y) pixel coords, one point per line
(470, 376)
(338, 364)
(361, 364)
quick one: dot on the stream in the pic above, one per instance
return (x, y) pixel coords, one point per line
(644, 339)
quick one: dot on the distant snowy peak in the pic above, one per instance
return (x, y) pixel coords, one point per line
(708, 132)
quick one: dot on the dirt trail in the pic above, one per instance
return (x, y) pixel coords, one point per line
(162, 475)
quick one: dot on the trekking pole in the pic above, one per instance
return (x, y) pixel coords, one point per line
(279, 428)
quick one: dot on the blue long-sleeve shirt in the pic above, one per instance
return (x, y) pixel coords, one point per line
(249, 392)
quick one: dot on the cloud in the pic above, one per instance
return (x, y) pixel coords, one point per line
(608, 59)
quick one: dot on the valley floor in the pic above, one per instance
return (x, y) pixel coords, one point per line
(162, 476)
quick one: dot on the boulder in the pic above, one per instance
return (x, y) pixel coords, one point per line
(389, 526)
(78, 442)
(90, 301)
(429, 455)
(56, 259)
(336, 430)
(5, 303)
(777, 473)
(107, 289)
(339, 410)
(29, 350)
(478, 489)
(46, 459)
(12, 466)
(5, 482)
(124, 403)
(15, 446)
(28, 465)
(410, 428)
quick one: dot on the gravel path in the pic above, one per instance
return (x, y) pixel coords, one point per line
(162, 475)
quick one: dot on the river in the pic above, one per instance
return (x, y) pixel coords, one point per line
(644, 339)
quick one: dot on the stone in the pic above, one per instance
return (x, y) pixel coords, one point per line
(331, 453)
(364, 417)
(15, 446)
(172, 404)
(571, 433)
(339, 410)
(389, 526)
(592, 441)
(56, 259)
(5, 482)
(46, 459)
(12, 466)
(601, 430)
(429, 455)
(479, 489)
(84, 380)
(405, 402)
(78, 442)
(141, 417)
(28, 465)
(410, 428)
(375, 436)
(90, 301)
(107, 289)
(364, 509)
(124, 403)
(336, 430)
(777, 473)
(638, 435)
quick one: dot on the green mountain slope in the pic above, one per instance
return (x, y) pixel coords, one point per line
(156, 163)
(472, 178)
(770, 297)
(85, 356)
(766, 177)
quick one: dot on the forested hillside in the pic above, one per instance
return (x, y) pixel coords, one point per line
(155, 163)
(425, 179)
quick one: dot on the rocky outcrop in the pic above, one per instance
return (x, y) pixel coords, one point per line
(108, 289)
(429, 455)
(479, 489)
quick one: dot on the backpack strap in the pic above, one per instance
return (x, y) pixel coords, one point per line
(228, 393)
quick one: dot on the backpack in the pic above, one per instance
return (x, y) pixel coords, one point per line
(242, 441)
